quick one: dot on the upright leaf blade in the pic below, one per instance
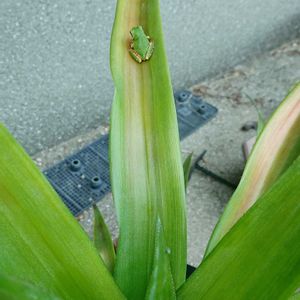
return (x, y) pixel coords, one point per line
(41, 241)
(146, 169)
(161, 284)
(276, 148)
(259, 258)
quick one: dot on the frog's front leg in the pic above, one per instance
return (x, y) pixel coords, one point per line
(149, 50)
(135, 56)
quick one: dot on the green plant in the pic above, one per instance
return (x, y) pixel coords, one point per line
(254, 252)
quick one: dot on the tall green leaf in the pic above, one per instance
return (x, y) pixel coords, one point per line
(41, 242)
(146, 168)
(259, 258)
(276, 148)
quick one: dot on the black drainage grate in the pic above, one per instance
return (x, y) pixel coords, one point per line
(83, 178)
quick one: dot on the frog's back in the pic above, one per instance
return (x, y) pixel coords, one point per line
(140, 41)
(142, 46)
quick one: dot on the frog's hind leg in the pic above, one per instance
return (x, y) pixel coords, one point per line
(135, 56)
(150, 50)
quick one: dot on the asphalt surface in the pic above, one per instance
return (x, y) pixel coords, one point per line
(55, 80)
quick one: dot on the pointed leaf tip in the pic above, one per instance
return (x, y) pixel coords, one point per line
(187, 169)
(103, 241)
(161, 284)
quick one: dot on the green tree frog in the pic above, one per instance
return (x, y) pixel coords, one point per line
(141, 46)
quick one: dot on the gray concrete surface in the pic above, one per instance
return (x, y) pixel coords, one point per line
(55, 80)
(266, 79)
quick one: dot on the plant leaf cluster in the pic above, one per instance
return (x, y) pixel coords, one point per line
(254, 251)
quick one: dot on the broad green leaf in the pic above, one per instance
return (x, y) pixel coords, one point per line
(41, 242)
(187, 168)
(146, 168)
(103, 241)
(161, 285)
(275, 149)
(12, 289)
(259, 258)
